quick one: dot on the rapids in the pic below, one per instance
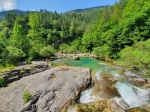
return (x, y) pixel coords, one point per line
(109, 84)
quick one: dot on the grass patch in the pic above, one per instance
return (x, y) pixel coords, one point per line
(26, 96)
(50, 63)
(6, 68)
(25, 85)
(2, 82)
(53, 76)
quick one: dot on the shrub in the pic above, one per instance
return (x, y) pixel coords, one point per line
(28, 60)
(102, 52)
(64, 48)
(14, 54)
(136, 57)
(6, 67)
(2, 82)
(26, 96)
(47, 52)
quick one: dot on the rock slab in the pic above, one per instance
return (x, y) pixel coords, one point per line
(52, 90)
(25, 70)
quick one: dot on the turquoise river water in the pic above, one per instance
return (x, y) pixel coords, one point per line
(130, 96)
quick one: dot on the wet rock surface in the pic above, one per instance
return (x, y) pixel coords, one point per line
(75, 58)
(99, 106)
(51, 90)
(135, 79)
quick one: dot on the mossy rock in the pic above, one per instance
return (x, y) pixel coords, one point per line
(98, 106)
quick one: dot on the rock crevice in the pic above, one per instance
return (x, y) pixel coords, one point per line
(51, 90)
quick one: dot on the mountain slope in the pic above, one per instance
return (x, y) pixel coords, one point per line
(87, 9)
(4, 13)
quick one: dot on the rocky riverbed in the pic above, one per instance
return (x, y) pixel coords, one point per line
(52, 90)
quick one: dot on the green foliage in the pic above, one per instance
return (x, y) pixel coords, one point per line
(28, 33)
(64, 48)
(6, 67)
(28, 60)
(2, 82)
(19, 39)
(46, 52)
(34, 24)
(26, 96)
(136, 57)
(123, 24)
(36, 45)
(102, 52)
(14, 54)
(103, 31)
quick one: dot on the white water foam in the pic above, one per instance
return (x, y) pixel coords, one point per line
(87, 98)
(133, 95)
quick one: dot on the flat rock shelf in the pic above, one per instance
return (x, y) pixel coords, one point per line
(52, 90)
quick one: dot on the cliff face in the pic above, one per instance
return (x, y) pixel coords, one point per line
(51, 90)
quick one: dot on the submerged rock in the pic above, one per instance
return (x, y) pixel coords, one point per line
(140, 109)
(98, 106)
(75, 58)
(104, 88)
(52, 90)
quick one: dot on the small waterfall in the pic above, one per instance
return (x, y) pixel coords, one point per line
(97, 76)
(87, 98)
(143, 94)
(127, 93)
(115, 74)
(133, 95)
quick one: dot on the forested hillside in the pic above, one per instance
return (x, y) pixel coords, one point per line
(87, 10)
(125, 24)
(119, 32)
(4, 13)
(35, 35)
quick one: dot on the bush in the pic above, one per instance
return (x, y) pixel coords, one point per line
(26, 96)
(102, 52)
(28, 60)
(6, 67)
(14, 54)
(2, 82)
(47, 52)
(34, 52)
(64, 48)
(136, 57)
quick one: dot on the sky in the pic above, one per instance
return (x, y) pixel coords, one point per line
(52, 5)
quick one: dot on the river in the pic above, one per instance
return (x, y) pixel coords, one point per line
(108, 84)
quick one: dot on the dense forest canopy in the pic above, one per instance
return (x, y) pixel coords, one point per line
(119, 32)
(127, 23)
(31, 33)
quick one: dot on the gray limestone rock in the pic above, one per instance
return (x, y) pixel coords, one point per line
(52, 90)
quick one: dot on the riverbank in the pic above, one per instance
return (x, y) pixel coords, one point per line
(51, 90)
(107, 83)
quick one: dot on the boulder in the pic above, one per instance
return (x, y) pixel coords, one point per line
(52, 90)
(135, 79)
(75, 58)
